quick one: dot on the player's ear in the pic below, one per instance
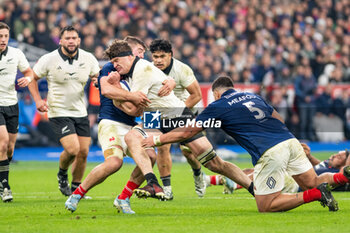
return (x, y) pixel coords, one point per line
(79, 40)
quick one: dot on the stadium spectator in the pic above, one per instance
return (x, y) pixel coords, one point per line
(305, 86)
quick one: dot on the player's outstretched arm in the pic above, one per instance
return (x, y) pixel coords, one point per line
(176, 135)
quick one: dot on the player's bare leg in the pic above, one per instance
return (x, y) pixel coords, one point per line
(134, 139)
(113, 162)
(164, 163)
(11, 145)
(198, 174)
(79, 164)
(310, 179)
(204, 152)
(276, 202)
(5, 192)
(71, 148)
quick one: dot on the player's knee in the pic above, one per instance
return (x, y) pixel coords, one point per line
(4, 143)
(131, 136)
(83, 152)
(73, 150)
(113, 164)
(152, 155)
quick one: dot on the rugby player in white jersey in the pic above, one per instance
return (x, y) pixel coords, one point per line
(113, 124)
(188, 90)
(11, 60)
(144, 76)
(67, 70)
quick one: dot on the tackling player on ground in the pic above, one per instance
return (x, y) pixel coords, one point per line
(258, 128)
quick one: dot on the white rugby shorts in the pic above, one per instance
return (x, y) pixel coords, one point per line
(111, 136)
(286, 157)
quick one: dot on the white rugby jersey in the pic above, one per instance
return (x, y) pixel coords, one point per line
(12, 59)
(183, 76)
(147, 78)
(66, 78)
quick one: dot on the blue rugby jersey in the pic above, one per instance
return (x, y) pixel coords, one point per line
(107, 109)
(324, 167)
(247, 118)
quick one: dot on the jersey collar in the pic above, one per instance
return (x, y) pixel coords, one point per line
(228, 92)
(65, 58)
(129, 74)
(167, 70)
(4, 53)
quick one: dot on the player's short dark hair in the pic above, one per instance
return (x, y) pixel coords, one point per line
(68, 29)
(222, 82)
(118, 48)
(161, 45)
(4, 26)
(135, 40)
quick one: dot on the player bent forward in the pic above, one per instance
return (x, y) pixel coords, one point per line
(258, 128)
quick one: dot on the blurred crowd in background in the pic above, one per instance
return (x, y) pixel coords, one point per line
(300, 43)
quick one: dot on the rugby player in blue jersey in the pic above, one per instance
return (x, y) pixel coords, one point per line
(258, 128)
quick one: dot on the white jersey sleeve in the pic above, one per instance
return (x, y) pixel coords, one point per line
(40, 68)
(23, 63)
(95, 67)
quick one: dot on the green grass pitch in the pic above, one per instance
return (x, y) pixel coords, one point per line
(38, 206)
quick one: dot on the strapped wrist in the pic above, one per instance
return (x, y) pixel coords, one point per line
(28, 78)
(156, 140)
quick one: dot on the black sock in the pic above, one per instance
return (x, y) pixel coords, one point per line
(4, 173)
(62, 172)
(151, 178)
(196, 172)
(166, 180)
(74, 186)
(251, 189)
